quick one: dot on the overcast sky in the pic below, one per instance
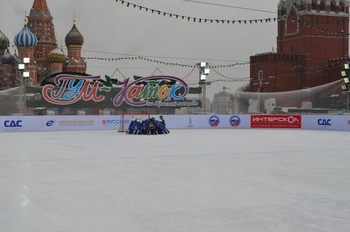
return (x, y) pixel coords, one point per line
(113, 30)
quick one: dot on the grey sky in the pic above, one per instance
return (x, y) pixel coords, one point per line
(113, 30)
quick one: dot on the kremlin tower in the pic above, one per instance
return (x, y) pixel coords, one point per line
(312, 46)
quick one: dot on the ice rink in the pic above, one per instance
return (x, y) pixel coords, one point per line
(203, 180)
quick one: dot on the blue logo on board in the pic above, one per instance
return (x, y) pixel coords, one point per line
(214, 121)
(50, 123)
(235, 121)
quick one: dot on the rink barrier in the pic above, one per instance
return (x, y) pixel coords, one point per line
(112, 122)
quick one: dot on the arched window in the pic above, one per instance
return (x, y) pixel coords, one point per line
(333, 6)
(341, 6)
(283, 11)
(301, 6)
(314, 5)
(323, 6)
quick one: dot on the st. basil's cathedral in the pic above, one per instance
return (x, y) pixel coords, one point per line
(37, 41)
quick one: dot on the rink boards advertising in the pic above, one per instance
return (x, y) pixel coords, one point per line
(275, 121)
(113, 122)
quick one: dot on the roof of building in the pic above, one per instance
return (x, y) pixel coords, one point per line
(7, 58)
(4, 41)
(57, 55)
(26, 38)
(74, 37)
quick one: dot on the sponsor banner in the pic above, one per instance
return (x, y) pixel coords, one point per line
(214, 121)
(13, 124)
(196, 121)
(225, 121)
(275, 121)
(21, 123)
(71, 123)
(326, 122)
(112, 122)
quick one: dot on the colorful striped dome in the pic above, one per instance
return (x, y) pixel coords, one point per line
(26, 38)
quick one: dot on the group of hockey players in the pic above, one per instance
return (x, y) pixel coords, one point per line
(149, 126)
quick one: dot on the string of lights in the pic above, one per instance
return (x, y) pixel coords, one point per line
(244, 79)
(229, 78)
(158, 57)
(157, 69)
(225, 21)
(315, 65)
(162, 62)
(194, 68)
(196, 19)
(229, 6)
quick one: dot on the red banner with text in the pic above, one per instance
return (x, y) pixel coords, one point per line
(275, 121)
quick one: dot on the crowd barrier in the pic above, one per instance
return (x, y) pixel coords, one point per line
(113, 122)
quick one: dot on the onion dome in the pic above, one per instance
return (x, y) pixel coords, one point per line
(26, 38)
(7, 58)
(56, 55)
(74, 37)
(4, 41)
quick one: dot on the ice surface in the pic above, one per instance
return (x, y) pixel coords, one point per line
(189, 180)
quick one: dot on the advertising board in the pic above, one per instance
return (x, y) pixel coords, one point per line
(113, 122)
(275, 121)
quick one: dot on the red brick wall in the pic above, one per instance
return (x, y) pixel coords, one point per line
(311, 51)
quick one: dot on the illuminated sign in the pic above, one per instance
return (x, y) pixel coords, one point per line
(144, 91)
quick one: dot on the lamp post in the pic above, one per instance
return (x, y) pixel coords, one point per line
(203, 73)
(231, 97)
(24, 76)
(345, 88)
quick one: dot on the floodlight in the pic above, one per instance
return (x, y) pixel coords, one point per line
(346, 80)
(26, 60)
(206, 71)
(203, 64)
(203, 77)
(347, 66)
(26, 74)
(344, 73)
(21, 67)
(344, 87)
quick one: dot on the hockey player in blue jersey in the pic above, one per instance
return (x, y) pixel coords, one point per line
(134, 127)
(151, 128)
(162, 126)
